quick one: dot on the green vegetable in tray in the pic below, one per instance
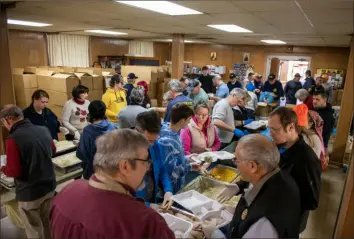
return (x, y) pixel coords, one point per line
(208, 159)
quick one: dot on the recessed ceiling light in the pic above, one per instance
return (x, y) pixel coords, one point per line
(27, 23)
(230, 28)
(273, 41)
(163, 7)
(106, 32)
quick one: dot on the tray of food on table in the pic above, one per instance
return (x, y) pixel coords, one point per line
(64, 145)
(67, 162)
(258, 124)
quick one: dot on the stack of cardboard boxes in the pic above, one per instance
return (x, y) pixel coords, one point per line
(24, 85)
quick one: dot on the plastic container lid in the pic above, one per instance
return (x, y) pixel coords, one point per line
(180, 227)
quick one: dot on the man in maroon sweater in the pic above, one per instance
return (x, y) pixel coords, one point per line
(105, 206)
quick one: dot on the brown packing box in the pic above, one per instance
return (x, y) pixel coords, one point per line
(85, 79)
(160, 92)
(25, 81)
(58, 82)
(58, 98)
(95, 95)
(57, 110)
(43, 75)
(90, 70)
(68, 69)
(145, 73)
(31, 69)
(18, 71)
(98, 82)
(56, 69)
(154, 103)
(24, 97)
(152, 90)
(108, 71)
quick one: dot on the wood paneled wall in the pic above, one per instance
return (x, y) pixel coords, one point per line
(163, 51)
(105, 46)
(228, 55)
(27, 49)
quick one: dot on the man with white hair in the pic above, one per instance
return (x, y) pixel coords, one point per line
(127, 115)
(305, 97)
(105, 206)
(222, 91)
(270, 208)
(223, 117)
(177, 94)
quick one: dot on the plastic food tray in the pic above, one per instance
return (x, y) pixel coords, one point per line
(74, 164)
(64, 145)
(223, 214)
(178, 224)
(254, 125)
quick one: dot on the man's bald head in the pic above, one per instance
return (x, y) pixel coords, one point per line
(258, 148)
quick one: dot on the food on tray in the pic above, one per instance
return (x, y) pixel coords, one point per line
(64, 145)
(208, 159)
(213, 193)
(66, 160)
(223, 174)
(181, 215)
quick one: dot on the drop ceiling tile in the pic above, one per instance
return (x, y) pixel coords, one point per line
(325, 4)
(330, 16)
(265, 5)
(331, 29)
(211, 6)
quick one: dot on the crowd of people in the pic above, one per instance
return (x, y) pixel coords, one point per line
(129, 155)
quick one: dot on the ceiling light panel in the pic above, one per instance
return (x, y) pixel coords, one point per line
(273, 41)
(163, 7)
(106, 32)
(27, 23)
(230, 28)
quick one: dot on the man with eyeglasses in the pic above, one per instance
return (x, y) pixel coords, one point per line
(197, 94)
(148, 124)
(106, 206)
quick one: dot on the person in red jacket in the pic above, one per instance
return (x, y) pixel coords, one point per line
(29, 150)
(105, 206)
(305, 97)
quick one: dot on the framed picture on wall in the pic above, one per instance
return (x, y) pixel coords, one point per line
(246, 57)
(213, 56)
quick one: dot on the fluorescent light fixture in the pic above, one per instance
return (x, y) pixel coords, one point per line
(229, 28)
(185, 41)
(27, 23)
(164, 7)
(273, 41)
(106, 32)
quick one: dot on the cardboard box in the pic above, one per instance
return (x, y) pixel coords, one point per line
(108, 71)
(56, 69)
(85, 79)
(154, 103)
(98, 82)
(145, 73)
(18, 71)
(57, 110)
(25, 81)
(59, 82)
(24, 97)
(43, 76)
(95, 95)
(30, 69)
(68, 69)
(152, 90)
(90, 70)
(58, 98)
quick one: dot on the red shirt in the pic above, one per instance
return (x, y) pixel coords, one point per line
(309, 102)
(82, 211)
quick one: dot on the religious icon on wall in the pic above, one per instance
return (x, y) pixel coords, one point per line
(246, 57)
(213, 56)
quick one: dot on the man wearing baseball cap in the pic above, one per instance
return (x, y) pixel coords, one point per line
(234, 82)
(310, 83)
(291, 88)
(256, 85)
(130, 85)
(197, 94)
(273, 87)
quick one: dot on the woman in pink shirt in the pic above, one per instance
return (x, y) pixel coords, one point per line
(200, 135)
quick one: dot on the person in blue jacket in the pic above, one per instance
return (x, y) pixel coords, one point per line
(256, 85)
(87, 146)
(310, 82)
(148, 124)
(273, 88)
(130, 85)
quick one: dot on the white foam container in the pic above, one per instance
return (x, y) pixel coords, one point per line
(191, 199)
(178, 224)
(218, 214)
(211, 206)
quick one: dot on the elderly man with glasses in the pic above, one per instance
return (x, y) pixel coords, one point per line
(105, 206)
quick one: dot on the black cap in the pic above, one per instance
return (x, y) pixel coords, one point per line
(132, 76)
(232, 75)
(271, 76)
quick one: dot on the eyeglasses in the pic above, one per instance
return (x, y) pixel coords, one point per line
(275, 129)
(148, 162)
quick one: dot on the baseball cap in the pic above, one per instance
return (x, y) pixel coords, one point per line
(297, 75)
(271, 76)
(176, 85)
(193, 84)
(232, 75)
(132, 76)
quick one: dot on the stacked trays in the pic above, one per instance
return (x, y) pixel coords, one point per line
(203, 207)
(67, 162)
(180, 227)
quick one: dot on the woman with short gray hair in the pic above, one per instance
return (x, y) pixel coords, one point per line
(305, 97)
(127, 115)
